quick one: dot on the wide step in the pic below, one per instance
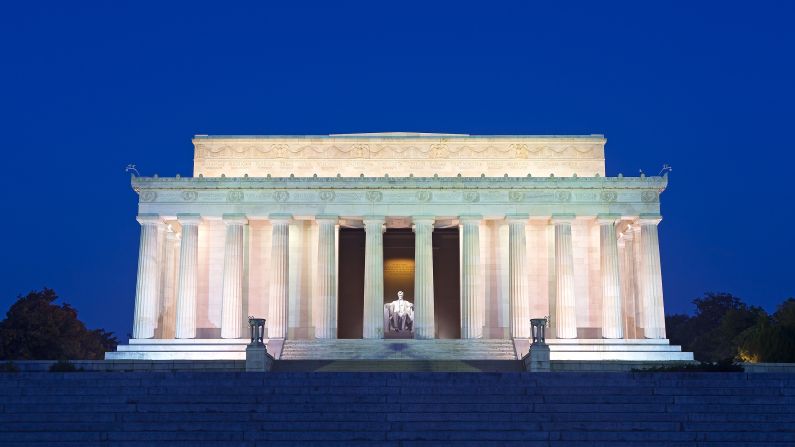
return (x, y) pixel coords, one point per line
(398, 350)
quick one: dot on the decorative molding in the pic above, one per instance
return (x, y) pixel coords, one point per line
(424, 196)
(649, 196)
(563, 196)
(189, 196)
(471, 196)
(327, 196)
(374, 196)
(281, 196)
(608, 196)
(516, 196)
(148, 196)
(234, 196)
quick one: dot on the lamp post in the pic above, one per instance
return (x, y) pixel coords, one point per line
(537, 359)
(257, 357)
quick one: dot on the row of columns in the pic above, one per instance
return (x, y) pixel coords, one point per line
(647, 272)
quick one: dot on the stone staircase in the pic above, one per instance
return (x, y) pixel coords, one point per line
(200, 409)
(450, 350)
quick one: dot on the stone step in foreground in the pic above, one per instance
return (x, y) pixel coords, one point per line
(396, 409)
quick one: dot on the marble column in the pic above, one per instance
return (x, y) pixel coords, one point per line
(280, 276)
(147, 288)
(627, 276)
(168, 284)
(565, 313)
(637, 260)
(517, 276)
(612, 315)
(373, 324)
(651, 278)
(188, 278)
(471, 278)
(232, 291)
(326, 276)
(424, 323)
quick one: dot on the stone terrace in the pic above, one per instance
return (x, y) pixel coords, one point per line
(396, 409)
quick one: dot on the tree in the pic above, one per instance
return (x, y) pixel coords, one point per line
(711, 334)
(36, 328)
(772, 338)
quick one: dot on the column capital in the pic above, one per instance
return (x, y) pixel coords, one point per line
(649, 219)
(280, 218)
(235, 219)
(563, 218)
(607, 219)
(373, 220)
(327, 218)
(517, 218)
(423, 220)
(470, 218)
(149, 219)
(189, 219)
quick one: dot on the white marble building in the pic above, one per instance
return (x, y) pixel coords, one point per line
(542, 232)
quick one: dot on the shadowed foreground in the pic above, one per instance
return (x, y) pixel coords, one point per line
(396, 409)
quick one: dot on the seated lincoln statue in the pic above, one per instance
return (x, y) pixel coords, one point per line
(399, 315)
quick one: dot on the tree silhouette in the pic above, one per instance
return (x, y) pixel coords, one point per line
(36, 328)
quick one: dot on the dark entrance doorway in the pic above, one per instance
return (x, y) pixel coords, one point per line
(398, 275)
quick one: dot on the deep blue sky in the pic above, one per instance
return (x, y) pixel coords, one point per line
(86, 89)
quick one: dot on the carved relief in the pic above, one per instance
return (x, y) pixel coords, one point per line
(649, 196)
(374, 196)
(563, 196)
(608, 196)
(148, 196)
(359, 150)
(234, 196)
(438, 151)
(471, 196)
(520, 150)
(327, 196)
(189, 196)
(516, 196)
(424, 196)
(281, 196)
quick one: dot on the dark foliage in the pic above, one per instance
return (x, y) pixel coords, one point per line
(724, 328)
(8, 367)
(721, 366)
(64, 366)
(36, 328)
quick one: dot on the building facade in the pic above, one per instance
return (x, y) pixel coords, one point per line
(317, 233)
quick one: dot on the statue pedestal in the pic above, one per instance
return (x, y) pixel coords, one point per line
(258, 359)
(537, 360)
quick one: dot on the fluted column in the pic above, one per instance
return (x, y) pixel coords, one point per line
(373, 324)
(147, 287)
(326, 324)
(188, 279)
(424, 325)
(565, 314)
(517, 276)
(232, 292)
(651, 278)
(168, 284)
(612, 312)
(471, 282)
(279, 275)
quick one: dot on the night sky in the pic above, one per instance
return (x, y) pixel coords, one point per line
(87, 89)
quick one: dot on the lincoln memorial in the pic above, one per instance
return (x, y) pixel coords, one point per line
(479, 234)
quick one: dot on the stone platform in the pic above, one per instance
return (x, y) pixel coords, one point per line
(201, 409)
(640, 350)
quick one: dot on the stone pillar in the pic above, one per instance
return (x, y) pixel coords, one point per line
(280, 276)
(612, 315)
(517, 276)
(651, 278)
(326, 324)
(147, 288)
(188, 279)
(424, 323)
(566, 317)
(168, 284)
(471, 282)
(232, 292)
(373, 324)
